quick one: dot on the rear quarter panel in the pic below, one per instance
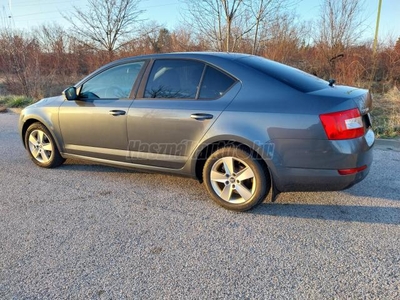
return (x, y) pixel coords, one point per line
(282, 125)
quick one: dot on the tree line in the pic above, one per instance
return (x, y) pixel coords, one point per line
(47, 59)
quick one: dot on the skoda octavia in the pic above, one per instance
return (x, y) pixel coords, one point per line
(244, 125)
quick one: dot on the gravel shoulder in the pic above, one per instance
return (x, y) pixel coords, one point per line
(85, 231)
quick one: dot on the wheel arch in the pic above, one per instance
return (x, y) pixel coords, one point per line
(208, 148)
(29, 121)
(25, 127)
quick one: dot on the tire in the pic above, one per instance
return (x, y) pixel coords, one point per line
(235, 179)
(41, 147)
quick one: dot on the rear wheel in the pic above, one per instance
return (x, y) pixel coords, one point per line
(235, 179)
(41, 147)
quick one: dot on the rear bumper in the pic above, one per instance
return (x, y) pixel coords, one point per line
(316, 180)
(306, 165)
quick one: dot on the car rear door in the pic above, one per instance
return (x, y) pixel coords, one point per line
(95, 124)
(174, 108)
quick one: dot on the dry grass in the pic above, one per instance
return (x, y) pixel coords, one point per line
(386, 114)
(12, 101)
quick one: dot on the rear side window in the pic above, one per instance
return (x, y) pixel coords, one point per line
(186, 79)
(293, 77)
(174, 79)
(214, 84)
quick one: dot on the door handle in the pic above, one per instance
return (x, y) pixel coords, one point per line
(201, 116)
(116, 112)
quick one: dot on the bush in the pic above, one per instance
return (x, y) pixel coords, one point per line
(386, 114)
(16, 101)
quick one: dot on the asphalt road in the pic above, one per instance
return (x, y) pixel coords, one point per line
(85, 231)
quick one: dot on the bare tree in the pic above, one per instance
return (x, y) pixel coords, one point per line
(227, 23)
(230, 9)
(106, 24)
(265, 14)
(20, 62)
(52, 38)
(340, 26)
(389, 67)
(221, 22)
(182, 40)
(154, 37)
(282, 39)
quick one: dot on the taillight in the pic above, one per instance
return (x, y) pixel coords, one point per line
(352, 170)
(343, 125)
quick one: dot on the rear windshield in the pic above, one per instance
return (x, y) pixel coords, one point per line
(293, 77)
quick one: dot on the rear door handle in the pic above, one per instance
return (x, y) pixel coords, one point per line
(201, 116)
(116, 112)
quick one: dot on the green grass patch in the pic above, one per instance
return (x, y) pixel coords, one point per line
(386, 114)
(12, 101)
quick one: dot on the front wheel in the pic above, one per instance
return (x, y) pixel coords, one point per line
(235, 179)
(41, 147)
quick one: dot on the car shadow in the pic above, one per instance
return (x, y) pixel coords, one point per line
(316, 208)
(341, 213)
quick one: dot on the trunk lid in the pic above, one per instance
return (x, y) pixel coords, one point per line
(362, 98)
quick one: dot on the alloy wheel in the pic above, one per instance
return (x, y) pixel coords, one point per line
(233, 180)
(40, 146)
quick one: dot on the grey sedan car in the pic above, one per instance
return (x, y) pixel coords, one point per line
(244, 125)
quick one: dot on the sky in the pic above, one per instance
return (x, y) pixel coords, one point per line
(27, 14)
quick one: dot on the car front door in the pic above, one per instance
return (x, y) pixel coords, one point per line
(175, 107)
(94, 124)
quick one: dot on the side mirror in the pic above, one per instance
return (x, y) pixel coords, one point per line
(70, 93)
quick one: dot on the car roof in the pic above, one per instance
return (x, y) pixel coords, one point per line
(193, 55)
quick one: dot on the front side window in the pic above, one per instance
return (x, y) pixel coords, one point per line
(113, 83)
(174, 79)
